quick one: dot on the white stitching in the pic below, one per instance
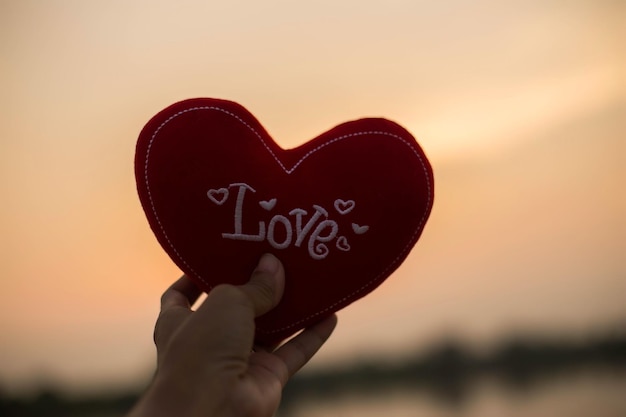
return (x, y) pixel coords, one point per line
(344, 207)
(289, 171)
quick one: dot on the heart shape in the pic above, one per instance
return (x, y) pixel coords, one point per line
(341, 211)
(344, 207)
(358, 229)
(218, 196)
(268, 205)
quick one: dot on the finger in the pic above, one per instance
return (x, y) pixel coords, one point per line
(266, 347)
(265, 288)
(176, 304)
(182, 293)
(299, 350)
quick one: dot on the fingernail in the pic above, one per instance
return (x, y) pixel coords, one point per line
(268, 263)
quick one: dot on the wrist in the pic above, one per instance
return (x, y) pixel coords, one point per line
(167, 397)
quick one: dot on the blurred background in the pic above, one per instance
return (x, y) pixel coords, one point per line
(512, 303)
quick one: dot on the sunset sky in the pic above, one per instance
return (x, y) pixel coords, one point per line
(520, 105)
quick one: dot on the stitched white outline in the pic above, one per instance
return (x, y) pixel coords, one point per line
(288, 172)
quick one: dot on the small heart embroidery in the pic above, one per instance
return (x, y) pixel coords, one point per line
(218, 196)
(359, 230)
(344, 207)
(268, 205)
(342, 244)
(209, 177)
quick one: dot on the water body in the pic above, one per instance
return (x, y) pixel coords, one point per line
(584, 394)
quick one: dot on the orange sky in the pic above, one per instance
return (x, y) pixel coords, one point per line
(520, 108)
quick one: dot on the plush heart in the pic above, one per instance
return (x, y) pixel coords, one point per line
(341, 211)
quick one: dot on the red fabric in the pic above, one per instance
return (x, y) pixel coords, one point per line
(364, 190)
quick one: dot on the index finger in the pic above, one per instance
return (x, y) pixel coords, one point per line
(299, 350)
(182, 293)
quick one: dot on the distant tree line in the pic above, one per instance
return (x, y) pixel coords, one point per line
(447, 372)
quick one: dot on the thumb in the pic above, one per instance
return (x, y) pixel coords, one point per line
(237, 306)
(266, 286)
(224, 323)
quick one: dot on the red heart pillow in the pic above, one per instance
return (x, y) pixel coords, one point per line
(342, 211)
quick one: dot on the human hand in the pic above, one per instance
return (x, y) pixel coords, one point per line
(207, 364)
